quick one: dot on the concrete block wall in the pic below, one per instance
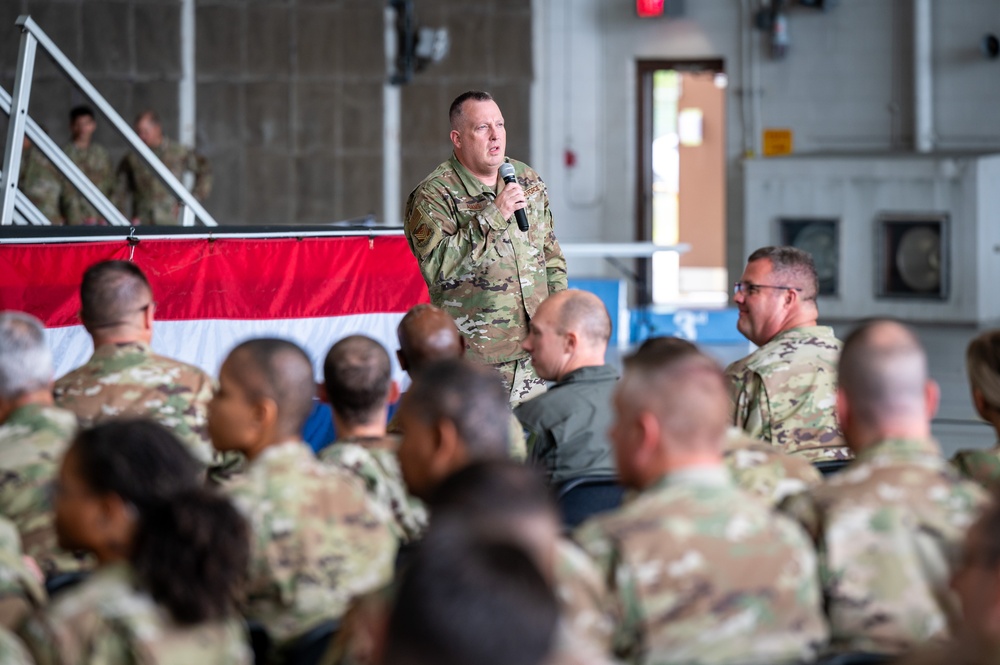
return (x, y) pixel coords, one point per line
(289, 92)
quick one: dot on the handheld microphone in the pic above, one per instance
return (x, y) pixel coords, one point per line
(507, 173)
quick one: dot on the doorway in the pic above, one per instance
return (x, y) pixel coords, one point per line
(681, 195)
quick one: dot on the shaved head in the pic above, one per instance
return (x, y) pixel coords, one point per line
(112, 294)
(582, 312)
(427, 334)
(883, 373)
(279, 370)
(685, 391)
(358, 375)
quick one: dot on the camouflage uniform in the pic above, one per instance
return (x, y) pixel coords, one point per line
(567, 426)
(702, 573)
(20, 590)
(785, 392)
(982, 466)
(582, 596)
(889, 529)
(152, 202)
(106, 620)
(12, 651)
(764, 471)
(41, 182)
(32, 441)
(515, 436)
(96, 165)
(481, 269)
(373, 460)
(318, 540)
(129, 380)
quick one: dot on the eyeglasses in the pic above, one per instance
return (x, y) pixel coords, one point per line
(752, 289)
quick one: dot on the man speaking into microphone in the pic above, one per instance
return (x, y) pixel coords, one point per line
(480, 263)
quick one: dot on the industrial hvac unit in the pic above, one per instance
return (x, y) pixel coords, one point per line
(914, 237)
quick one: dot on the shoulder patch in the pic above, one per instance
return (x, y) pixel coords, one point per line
(422, 233)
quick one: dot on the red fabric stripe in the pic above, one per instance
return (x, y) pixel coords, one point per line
(223, 278)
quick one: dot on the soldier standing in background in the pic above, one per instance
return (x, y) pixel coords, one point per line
(93, 160)
(40, 181)
(479, 267)
(152, 202)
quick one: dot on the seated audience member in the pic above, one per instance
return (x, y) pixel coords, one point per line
(757, 467)
(566, 426)
(33, 436)
(426, 335)
(982, 364)
(699, 571)
(783, 393)
(501, 499)
(317, 539)
(506, 499)
(467, 599)
(890, 526)
(124, 378)
(359, 386)
(455, 413)
(171, 556)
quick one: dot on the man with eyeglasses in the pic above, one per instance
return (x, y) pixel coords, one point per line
(124, 378)
(785, 391)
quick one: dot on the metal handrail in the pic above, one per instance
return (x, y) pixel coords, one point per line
(33, 36)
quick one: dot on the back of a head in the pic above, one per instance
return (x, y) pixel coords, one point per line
(663, 349)
(793, 267)
(184, 531)
(584, 313)
(470, 396)
(685, 390)
(427, 334)
(112, 293)
(279, 370)
(466, 599)
(492, 489)
(25, 359)
(139, 460)
(883, 373)
(358, 374)
(982, 363)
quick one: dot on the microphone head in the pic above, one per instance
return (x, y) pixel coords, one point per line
(507, 172)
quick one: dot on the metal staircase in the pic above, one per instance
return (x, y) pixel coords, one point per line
(14, 206)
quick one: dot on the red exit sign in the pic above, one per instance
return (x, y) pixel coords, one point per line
(649, 8)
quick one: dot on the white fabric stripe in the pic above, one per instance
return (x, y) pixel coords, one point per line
(206, 342)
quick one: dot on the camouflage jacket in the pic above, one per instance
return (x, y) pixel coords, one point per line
(129, 380)
(106, 620)
(374, 462)
(582, 596)
(12, 650)
(21, 590)
(889, 528)
(32, 442)
(318, 540)
(96, 165)
(701, 573)
(785, 392)
(479, 267)
(152, 202)
(41, 182)
(982, 466)
(566, 427)
(765, 471)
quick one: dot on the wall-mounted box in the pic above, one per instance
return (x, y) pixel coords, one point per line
(915, 237)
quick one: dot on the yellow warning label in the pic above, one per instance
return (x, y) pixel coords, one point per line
(777, 142)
